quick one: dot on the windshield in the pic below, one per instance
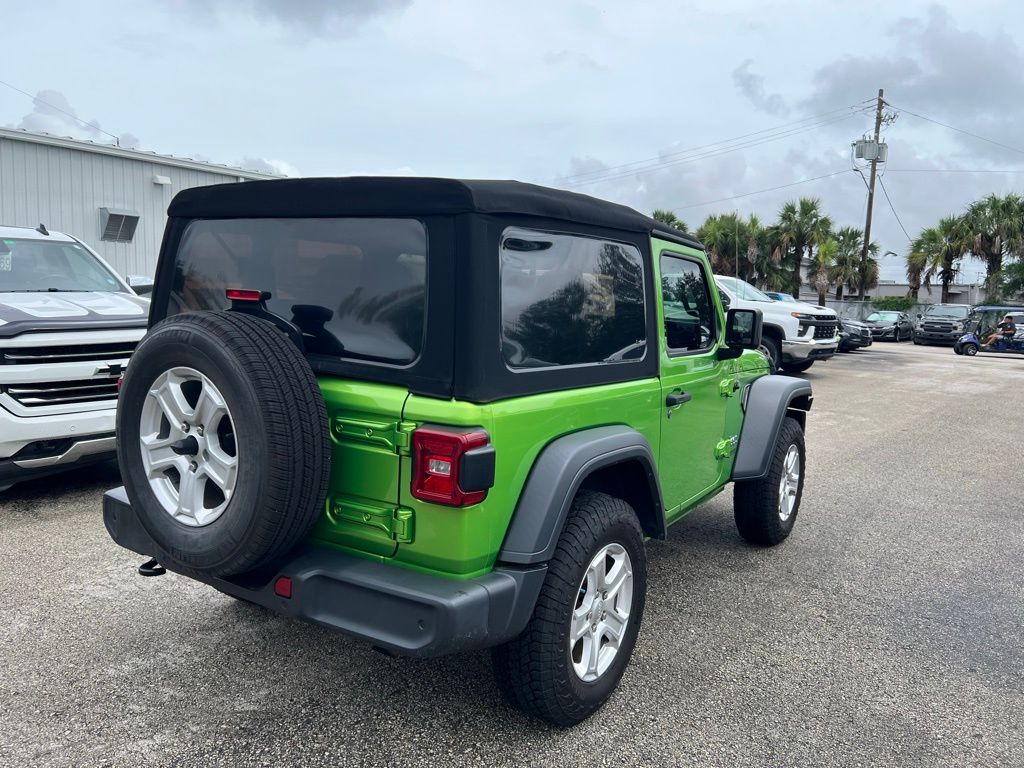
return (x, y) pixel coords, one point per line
(884, 317)
(957, 312)
(41, 265)
(741, 289)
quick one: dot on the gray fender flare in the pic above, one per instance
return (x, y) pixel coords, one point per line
(766, 403)
(556, 476)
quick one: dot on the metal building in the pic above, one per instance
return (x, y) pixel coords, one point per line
(111, 198)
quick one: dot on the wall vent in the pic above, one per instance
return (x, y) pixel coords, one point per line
(118, 226)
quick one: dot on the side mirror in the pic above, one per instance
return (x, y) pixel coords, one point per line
(726, 301)
(141, 284)
(919, 315)
(742, 331)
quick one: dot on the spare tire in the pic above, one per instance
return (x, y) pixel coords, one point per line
(223, 442)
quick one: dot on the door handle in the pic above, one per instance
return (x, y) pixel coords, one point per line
(678, 398)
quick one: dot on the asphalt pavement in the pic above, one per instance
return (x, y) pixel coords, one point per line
(887, 631)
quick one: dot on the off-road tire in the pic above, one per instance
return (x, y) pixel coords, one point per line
(756, 502)
(534, 671)
(281, 430)
(797, 367)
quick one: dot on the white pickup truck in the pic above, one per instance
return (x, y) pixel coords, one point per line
(68, 324)
(795, 334)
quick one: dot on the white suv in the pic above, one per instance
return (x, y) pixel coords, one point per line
(795, 334)
(68, 325)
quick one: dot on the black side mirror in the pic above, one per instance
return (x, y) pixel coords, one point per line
(726, 301)
(742, 331)
(919, 315)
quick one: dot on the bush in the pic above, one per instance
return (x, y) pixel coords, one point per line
(894, 303)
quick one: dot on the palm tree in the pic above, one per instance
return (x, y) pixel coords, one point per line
(867, 271)
(823, 264)
(917, 263)
(940, 249)
(802, 226)
(993, 228)
(845, 269)
(670, 219)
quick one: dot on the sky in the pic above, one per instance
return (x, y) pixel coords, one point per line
(688, 106)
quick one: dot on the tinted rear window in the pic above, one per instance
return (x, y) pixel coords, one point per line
(355, 287)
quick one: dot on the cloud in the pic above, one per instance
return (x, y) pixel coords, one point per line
(52, 113)
(264, 165)
(752, 86)
(318, 17)
(565, 57)
(962, 77)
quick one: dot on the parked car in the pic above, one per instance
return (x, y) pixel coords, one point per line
(982, 323)
(68, 325)
(853, 334)
(890, 326)
(941, 324)
(795, 334)
(337, 429)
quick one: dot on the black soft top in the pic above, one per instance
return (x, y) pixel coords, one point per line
(405, 196)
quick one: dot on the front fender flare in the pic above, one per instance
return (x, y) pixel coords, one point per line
(766, 404)
(557, 474)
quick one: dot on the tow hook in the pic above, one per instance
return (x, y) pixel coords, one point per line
(151, 568)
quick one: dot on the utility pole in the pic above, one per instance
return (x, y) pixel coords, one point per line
(871, 185)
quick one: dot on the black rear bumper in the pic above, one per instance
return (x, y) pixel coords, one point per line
(396, 609)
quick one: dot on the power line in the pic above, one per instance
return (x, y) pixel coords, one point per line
(664, 157)
(892, 208)
(951, 170)
(73, 116)
(958, 130)
(704, 155)
(762, 191)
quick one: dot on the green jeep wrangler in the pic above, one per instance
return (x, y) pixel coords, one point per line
(439, 415)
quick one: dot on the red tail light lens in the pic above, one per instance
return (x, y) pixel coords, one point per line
(437, 455)
(244, 294)
(283, 587)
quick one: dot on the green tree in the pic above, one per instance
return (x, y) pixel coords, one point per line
(867, 271)
(939, 249)
(802, 227)
(822, 267)
(845, 269)
(993, 229)
(670, 219)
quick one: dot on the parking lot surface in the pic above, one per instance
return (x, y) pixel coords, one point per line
(886, 631)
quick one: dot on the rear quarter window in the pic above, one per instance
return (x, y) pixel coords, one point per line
(355, 287)
(570, 300)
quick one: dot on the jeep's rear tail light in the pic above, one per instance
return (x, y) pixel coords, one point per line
(244, 294)
(451, 466)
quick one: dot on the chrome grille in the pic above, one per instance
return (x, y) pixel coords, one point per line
(96, 389)
(67, 354)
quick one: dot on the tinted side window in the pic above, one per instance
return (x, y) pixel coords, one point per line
(355, 287)
(689, 313)
(570, 300)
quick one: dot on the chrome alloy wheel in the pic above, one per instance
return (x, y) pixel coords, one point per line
(601, 613)
(188, 446)
(790, 483)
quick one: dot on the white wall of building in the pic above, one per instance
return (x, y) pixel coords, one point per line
(64, 183)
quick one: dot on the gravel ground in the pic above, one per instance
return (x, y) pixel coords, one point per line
(886, 631)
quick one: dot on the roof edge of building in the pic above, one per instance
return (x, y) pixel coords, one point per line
(66, 142)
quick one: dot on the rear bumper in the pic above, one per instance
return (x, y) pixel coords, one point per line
(393, 608)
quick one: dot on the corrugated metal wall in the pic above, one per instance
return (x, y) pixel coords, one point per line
(65, 189)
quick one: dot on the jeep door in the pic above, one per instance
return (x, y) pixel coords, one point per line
(694, 382)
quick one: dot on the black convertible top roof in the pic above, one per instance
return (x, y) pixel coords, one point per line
(405, 196)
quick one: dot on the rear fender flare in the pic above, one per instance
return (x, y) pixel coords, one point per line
(558, 473)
